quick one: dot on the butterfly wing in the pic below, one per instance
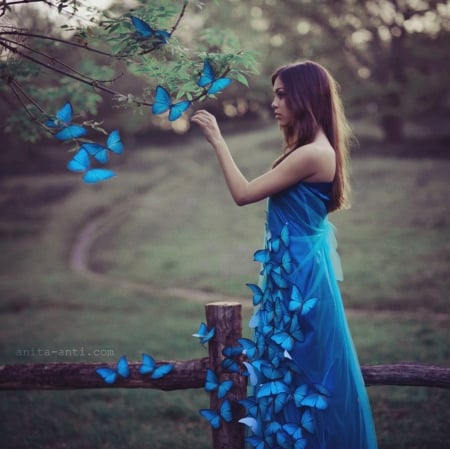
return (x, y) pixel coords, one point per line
(257, 293)
(307, 421)
(177, 110)
(80, 162)
(107, 374)
(114, 143)
(249, 347)
(209, 336)
(224, 388)
(230, 365)
(161, 102)
(218, 85)
(250, 422)
(148, 364)
(211, 382)
(207, 76)
(97, 175)
(202, 331)
(284, 340)
(65, 113)
(143, 28)
(225, 411)
(262, 256)
(71, 132)
(212, 417)
(122, 367)
(99, 152)
(161, 371)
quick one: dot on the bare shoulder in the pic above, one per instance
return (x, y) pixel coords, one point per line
(320, 157)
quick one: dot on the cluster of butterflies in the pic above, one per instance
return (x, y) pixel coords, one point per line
(64, 130)
(209, 81)
(281, 321)
(148, 366)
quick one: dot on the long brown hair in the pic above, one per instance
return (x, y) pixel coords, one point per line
(312, 96)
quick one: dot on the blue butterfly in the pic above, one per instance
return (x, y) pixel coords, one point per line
(293, 430)
(262, 256)
(63, 124)
(204, 334)
(109, 375)
(214, 417)
(149, 367)
(232, 351)
(230, 365)
(212, 384)
(272, 388)
(162, 103)
(249, 347)
(96, 175)
(297, 302)
(307, 422)
(286, 262)
(81, 163)
(274, 243)
(278, 279)
(145, 31)
(257, 442)
(208, 78)
(100, 152)
(250, 404)
(317, 398)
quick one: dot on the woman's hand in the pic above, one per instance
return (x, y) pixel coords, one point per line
(208, 124)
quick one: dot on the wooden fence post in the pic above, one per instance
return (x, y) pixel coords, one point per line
(226, 318)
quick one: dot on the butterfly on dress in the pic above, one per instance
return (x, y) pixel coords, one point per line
(209, 80)
(297, 302)
(109, 375)
(100, 152)
(213, 384)
(145, 31)
(287, 338)
(81, 163)
(205, 334)
(162, 103)
(149, 367)
(315, 398)
(215, 417)
(62, 124)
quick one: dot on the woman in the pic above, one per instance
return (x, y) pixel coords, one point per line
(308, 388)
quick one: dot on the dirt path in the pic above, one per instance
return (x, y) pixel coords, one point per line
(80, 263)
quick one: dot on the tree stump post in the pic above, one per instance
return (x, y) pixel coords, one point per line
(226, 318)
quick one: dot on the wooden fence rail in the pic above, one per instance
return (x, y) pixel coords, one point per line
(226, 318)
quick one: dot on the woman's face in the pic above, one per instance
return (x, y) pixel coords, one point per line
(279, 106)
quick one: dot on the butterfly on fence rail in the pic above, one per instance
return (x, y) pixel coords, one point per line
(149, 367)
(109, 375)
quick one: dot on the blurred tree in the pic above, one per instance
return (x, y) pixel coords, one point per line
(390, 56)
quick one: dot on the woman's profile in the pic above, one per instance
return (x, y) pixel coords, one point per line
(308, 389)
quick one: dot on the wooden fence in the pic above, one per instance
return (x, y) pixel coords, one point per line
(226, 318)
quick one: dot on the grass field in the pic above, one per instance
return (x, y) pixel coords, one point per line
(168, 221)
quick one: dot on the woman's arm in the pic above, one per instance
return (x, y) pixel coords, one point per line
(298, 166)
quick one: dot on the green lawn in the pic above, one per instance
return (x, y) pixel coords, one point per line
(168, 221)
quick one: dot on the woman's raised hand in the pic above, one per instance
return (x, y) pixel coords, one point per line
(208, 124)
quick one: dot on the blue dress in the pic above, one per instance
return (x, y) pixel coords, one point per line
(308, 388)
